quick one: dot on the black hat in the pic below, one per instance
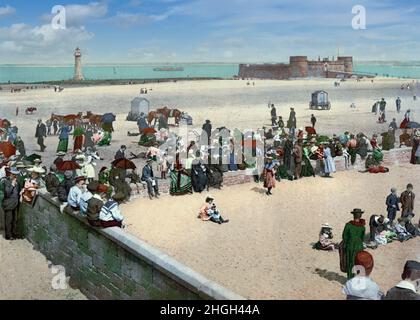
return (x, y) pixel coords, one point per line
(409, 185)
(412, 265)
(357, 211)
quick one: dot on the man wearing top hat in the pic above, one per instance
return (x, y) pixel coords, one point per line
(409, 286)
(353, 237)
(11, 203)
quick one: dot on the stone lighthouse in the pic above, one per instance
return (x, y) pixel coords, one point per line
(78, 76)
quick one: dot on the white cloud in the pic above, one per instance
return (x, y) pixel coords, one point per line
(125, 19)
(6, 11)
(41, 43)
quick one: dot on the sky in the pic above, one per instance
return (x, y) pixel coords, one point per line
(229, 31)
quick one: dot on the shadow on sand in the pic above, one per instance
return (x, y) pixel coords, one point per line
(331, 276)
(259, 190)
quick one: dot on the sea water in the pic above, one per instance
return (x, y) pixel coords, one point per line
(31, 74)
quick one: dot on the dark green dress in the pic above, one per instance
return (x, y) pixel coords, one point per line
(307, 169)
(353, 236)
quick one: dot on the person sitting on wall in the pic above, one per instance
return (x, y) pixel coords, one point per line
(110, 214)
(95, 203)
(75, 195)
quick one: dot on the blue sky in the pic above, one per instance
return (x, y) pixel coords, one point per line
(137, 31)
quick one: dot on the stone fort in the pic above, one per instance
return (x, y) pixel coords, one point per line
(299, 67)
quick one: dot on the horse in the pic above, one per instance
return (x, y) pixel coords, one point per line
(69, 119)
(94, 119)
(168, 113)
(30, 110)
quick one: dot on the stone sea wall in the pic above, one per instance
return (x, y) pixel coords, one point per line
(110, 263)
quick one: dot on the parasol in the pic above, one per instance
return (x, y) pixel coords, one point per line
(310, 130)
(7, 148)
(67, 165)
(124, 164)
(149, 131)
(108, 118)
(413, 125)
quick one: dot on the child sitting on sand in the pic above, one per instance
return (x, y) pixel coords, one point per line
(209, 212)
(325, 239)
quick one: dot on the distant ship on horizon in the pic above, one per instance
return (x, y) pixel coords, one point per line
(168, 69)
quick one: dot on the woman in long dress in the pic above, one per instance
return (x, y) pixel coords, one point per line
(269, 175)
(180, 180)
(63, 139)
(406, 120)
(329, 165)
(307, 169)
(353, 237)
(79, 139)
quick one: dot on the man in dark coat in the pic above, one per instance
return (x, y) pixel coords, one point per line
(65, 186)
(11, 203)
(392, 206)
(273, 113)
(407, 288)
(51, 181)
(120, 153)
(407, 200)
(149, 177)
(313, 120)
(207, 128)
(40, 134)
(398, 104)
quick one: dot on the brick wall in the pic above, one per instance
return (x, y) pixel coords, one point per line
(109, 263)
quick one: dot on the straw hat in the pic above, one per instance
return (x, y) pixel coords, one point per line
(327, 226)
(61, 153)
(36, 169)
(20, 165)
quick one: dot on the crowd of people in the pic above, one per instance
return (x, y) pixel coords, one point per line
(283, 152)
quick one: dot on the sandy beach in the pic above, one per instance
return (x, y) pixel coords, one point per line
(265, 251)
(25, 274)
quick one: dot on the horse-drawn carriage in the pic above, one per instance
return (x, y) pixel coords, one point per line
(320, 101)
